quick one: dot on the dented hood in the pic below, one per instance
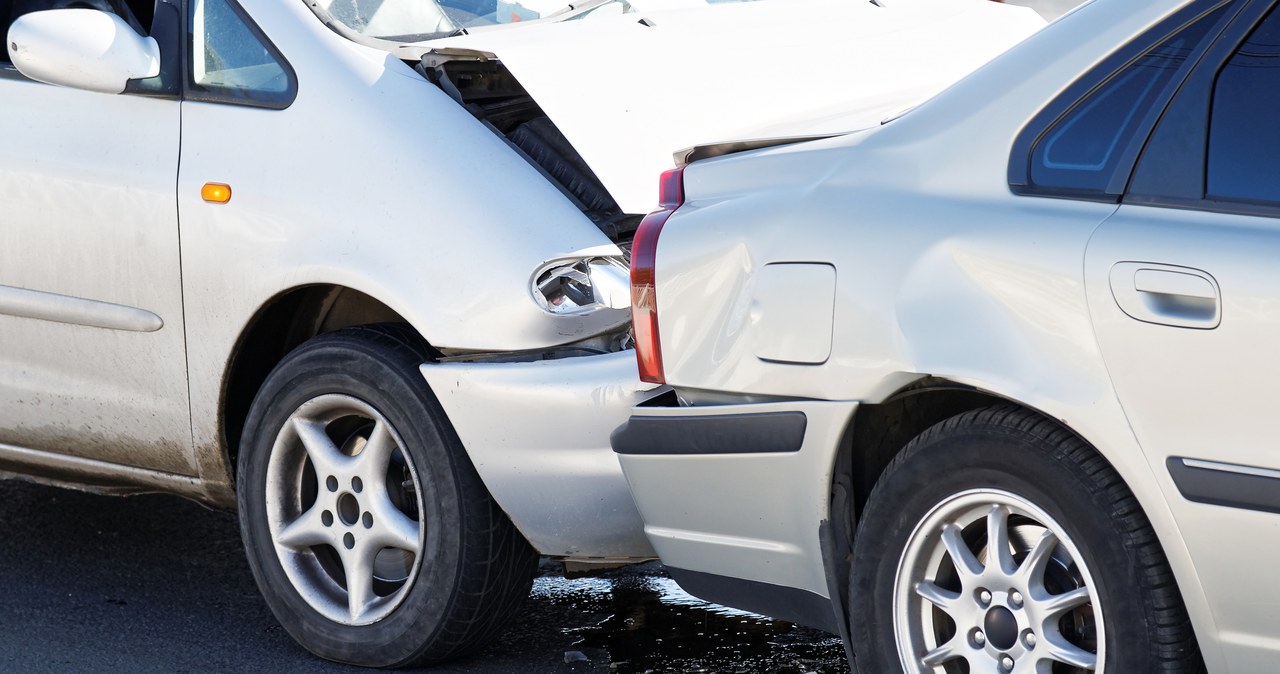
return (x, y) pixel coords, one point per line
(629, 90)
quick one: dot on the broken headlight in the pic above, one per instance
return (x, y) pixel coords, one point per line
(578, 286)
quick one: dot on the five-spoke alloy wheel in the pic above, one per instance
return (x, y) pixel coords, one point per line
(343, 509)
(367, 527)
(997, 542)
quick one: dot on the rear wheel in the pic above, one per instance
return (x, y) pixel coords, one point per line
(998, 542)
(367, 528)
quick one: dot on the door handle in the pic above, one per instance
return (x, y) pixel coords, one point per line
(1167, 295)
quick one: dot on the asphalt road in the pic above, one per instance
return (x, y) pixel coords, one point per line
(159, 584)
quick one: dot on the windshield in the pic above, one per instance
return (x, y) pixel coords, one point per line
(417, 20)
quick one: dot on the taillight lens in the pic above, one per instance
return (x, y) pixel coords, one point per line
(644, 251)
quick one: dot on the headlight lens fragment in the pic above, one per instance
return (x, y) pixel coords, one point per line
(579, 286)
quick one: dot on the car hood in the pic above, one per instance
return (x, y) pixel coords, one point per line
(629, 90)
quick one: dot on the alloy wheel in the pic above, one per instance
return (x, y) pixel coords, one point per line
(988, 582)
(343, 511)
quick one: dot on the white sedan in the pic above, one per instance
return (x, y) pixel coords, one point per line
(986, 388)
(358, 269)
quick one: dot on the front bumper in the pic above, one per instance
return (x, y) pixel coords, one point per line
(736, 491)
(538, 434)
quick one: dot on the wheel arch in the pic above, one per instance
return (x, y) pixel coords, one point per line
(878, 432)
(281, 324)
(875, 435)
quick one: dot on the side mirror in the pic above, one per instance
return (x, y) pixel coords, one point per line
(81, 48)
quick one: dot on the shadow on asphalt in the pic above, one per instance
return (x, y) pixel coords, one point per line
(160, 584)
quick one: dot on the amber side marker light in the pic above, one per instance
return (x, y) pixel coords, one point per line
(216, 193)
(644, 301)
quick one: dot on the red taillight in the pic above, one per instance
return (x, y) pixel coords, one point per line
(644, 250)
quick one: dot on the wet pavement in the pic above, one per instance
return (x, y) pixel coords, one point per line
(159, 584)
(638, 620)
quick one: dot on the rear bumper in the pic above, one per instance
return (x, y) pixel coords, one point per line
(737, 491)
(538, 434)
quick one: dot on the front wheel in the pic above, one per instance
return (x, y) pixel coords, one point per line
(999, 543)
(367, 528)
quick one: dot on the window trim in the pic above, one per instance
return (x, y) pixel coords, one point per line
(194, 92)
(1080, 91)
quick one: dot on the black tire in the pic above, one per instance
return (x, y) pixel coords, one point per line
(471, 569)
(1003, 451)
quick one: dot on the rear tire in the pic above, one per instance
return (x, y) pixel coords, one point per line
(1083, 585)
(367, 528)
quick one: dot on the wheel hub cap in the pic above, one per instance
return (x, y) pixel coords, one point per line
(1001, 628)
(348, 509)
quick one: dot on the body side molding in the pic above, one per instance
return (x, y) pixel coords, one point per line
(1226, 484)
(46, 306)
(761, 432)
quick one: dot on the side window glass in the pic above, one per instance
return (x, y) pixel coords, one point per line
(1082, 150)
(1244, 138)
(232, 62)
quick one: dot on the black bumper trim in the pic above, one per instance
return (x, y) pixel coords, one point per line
(1230, 486)
(714, 434)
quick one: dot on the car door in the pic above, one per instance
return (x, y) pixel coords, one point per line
(92, 350)
(1184, 291)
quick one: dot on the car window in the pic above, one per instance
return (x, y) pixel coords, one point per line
(1082, 151)
(1244, 138)
(232, 62)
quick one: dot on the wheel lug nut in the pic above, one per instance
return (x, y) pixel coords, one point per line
(357, 485)
(1029, 639)
(349, 541)
(984, 597)
(368, 521)
(327, 518)
(331, 483)
(1006, 663)
(1015, 598)
(978, 638)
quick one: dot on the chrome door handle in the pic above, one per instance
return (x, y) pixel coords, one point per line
(1167, 295)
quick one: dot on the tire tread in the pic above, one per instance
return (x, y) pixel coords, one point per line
(497, 564)
(489, 590)
(1174, 646)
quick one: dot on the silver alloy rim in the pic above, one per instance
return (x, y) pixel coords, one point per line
(1025, 604)
(343, 509)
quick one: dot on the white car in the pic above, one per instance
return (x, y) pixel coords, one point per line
(987, 388)
(359, 269)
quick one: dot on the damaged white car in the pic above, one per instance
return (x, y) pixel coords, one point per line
(987, 389)
(358, 269)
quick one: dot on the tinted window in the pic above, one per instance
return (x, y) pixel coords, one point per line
(1083, 149)
(1244, 136)
(232, 62)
